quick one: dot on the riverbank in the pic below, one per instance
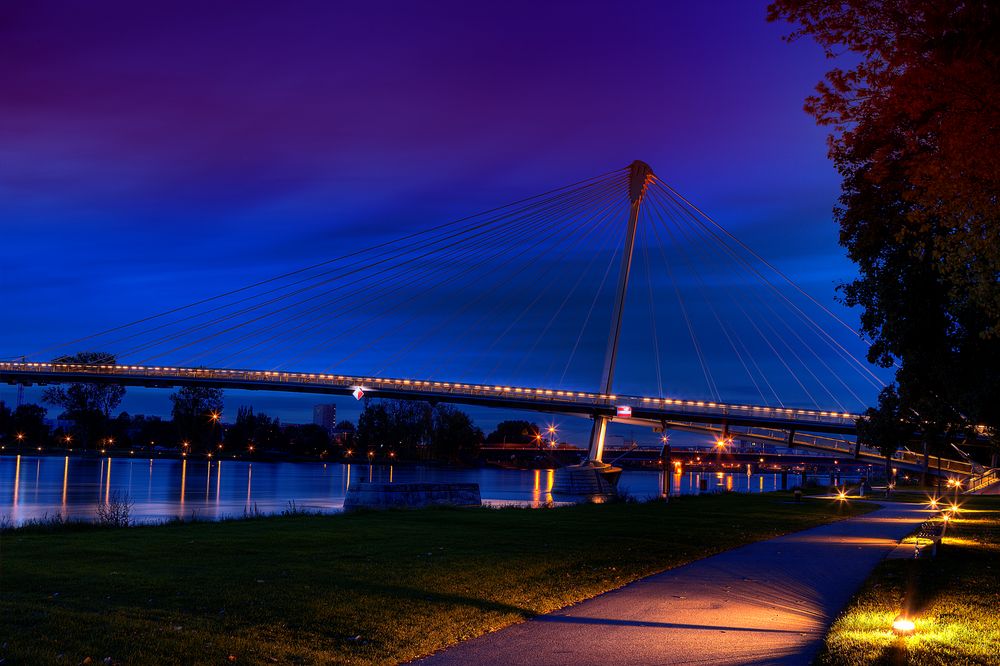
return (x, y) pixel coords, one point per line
(952, 598)
(353, 589)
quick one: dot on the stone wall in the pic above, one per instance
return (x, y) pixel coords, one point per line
(410, 495)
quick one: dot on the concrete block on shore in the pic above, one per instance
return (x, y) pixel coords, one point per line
(410, 495)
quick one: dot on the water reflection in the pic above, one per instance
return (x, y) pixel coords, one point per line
(65, 483)
(73, 487)
(541, 491)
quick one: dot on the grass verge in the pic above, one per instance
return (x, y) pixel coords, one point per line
(953, 599)
(363, 588)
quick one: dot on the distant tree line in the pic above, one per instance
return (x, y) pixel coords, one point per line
(410, 430)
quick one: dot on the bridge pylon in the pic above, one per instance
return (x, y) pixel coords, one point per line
(595, 475)
(640, 175)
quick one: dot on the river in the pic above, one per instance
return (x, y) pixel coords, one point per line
(39, 487)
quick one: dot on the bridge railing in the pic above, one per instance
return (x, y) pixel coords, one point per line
(980, 481)
(848, 448)
(555, 397)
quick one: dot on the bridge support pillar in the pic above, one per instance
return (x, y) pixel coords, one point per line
(595, 472)
(595, 452)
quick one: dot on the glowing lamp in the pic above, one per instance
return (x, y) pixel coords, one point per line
(903, 625)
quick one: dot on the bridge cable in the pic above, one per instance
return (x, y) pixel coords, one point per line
(398, 240)
(368, 289)
(683, 231)
(713, 389)
(605, 216)
(699, 220)
(512, 275)
(465, 273)
(477, 231)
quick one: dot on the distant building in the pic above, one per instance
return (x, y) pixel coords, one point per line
(325, 416)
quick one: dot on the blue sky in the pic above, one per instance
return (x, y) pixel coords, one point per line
(157, 153)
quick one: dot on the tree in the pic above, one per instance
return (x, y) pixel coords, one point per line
(307, 440)
(885, 428)
(914, 136)
(398, 426)
(453, 435)
(515, 432)
(257, 430)
(29, 420)
(6, 423)
(88, 405)
(197, 414)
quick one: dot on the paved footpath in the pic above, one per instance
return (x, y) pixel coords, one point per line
(769, 602)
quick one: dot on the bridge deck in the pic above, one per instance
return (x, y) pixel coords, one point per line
(761, 422)
(542, 399)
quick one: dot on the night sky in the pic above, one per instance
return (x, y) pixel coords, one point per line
(152, 154)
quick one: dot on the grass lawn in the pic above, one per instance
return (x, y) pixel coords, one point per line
(954, 600)
(354, 589)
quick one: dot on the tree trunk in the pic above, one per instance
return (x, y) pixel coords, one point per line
(888, 475)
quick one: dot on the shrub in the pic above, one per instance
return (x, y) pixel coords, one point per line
(117, 511)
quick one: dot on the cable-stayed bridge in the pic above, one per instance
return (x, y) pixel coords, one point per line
(510, 308)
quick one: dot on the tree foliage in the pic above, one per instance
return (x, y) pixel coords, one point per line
(454, 437)
(402, 426)
(88, 405)
(193, 413)
(886, 427)
(514, 432)
(412, 429)
(916, 138)
(251, 429)
(27, 420)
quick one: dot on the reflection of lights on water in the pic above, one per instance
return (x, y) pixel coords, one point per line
(184, 470)
(65, 480)
(107, 484)
(17, 478)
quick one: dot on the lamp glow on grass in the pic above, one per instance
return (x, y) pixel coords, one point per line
(950, 601)
(903, 625)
